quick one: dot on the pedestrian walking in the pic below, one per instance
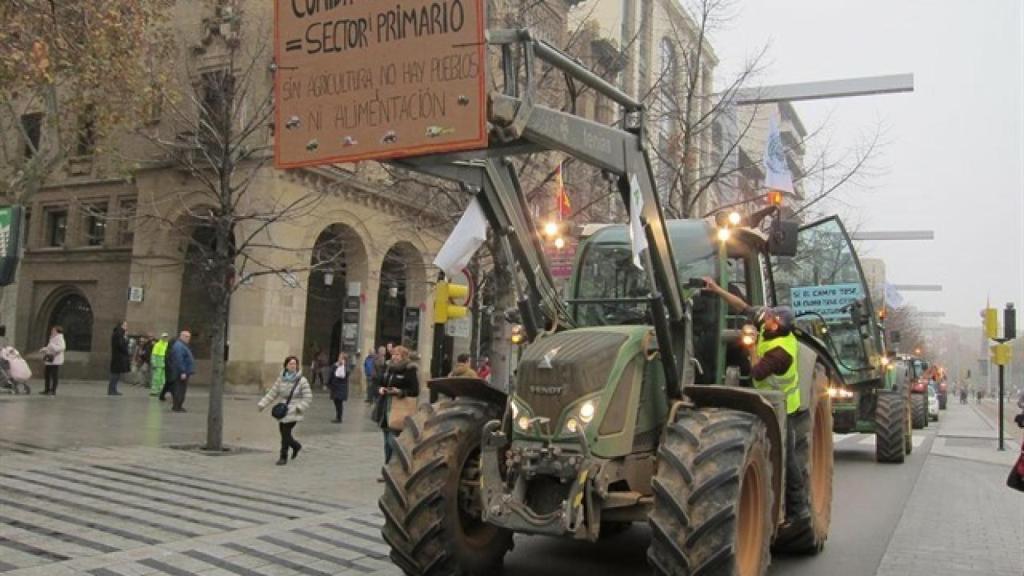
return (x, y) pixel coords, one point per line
(396, 397)
(158, 362)
(145, 359)
(120, 357)
(291, 396)
(337, 382)
(369, 374)
(53, 359)
(183, 366)
(168, 387)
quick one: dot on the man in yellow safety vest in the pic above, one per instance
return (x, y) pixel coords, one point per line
(774, 366)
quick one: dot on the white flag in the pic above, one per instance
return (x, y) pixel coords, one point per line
(776, 169)
(893, 298)
(469, 234)
(637, 238)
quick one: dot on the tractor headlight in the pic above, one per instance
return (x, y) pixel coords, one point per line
(523, 423)
(841, 393)
(572, 425)
(587, 411)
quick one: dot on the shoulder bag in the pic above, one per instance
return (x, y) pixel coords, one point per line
(399, 408)
(280, 410)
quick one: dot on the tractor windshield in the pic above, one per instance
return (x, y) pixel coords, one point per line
(610, 290)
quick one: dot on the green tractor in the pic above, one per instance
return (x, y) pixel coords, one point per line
(632, 400)
(824, 284)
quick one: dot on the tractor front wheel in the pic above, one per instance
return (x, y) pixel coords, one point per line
(713, 496)
(431, 502)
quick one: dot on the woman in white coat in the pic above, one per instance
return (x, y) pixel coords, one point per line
(53, 358)
(292, 390)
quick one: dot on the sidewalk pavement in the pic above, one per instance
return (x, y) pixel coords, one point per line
(961, 519)
(90, 487)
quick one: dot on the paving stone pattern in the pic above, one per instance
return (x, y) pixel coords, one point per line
(134, 511)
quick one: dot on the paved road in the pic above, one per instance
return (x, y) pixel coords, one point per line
(868, 504)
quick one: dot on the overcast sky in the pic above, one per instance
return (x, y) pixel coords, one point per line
(954, 158)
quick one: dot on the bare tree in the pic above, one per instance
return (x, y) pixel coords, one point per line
(219, 133)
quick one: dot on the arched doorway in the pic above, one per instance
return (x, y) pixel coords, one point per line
(400, 300)
(334, 293)
(73, 314)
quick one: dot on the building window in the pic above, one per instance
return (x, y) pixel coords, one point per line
(86, 143)
(74, 315)
(218, 91)
(95, 225)
(33, 125)
(57, 227)
(126, 228)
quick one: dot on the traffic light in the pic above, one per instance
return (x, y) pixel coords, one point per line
(991, 323)
(518, 337)
(444, 310)
(775, 197)
(1009, 322)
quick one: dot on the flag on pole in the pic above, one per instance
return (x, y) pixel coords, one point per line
(467, 236)
(892, 297)
(564, 208)
(776, 169)
(637, 238)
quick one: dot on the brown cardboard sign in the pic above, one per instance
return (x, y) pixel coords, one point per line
(371, 80)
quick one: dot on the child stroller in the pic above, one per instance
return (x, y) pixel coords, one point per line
(14, 372)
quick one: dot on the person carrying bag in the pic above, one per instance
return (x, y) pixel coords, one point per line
(290, 385)
(397, 397)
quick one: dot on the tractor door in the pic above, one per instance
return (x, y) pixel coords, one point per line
(825, 286)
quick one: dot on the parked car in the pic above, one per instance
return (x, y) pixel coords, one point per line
(933, 403)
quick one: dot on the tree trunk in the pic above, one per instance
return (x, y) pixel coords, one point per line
(215, 412)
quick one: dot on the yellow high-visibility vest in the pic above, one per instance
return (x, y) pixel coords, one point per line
(788, 383)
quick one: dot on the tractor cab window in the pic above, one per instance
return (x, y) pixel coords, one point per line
(612, 291)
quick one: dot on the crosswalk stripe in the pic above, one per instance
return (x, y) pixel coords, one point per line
(79, 506)
(219, 563)
(78, 522)
(342, 544)
(163, 481)
(869, 440)
(316, 554)
(33, 550)
(164, 567)
(109, 498)
(274, 559)
(166, 490)
(279, 497)
(57, 534)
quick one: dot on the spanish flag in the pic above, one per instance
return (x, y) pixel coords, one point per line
(562, 197)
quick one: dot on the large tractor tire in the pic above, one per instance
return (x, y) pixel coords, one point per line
(890, 427)
(431, 501)
(807, 529)
(919, 411)
(713, 496)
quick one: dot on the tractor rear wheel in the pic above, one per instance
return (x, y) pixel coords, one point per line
(713, 496)
(919, 411)
(807, 526)
(890, 424)
(431, 501)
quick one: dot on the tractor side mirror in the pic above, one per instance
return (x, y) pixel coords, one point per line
(782, 241)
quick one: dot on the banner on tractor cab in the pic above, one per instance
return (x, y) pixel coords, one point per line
(828, 300)
(377, 80)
